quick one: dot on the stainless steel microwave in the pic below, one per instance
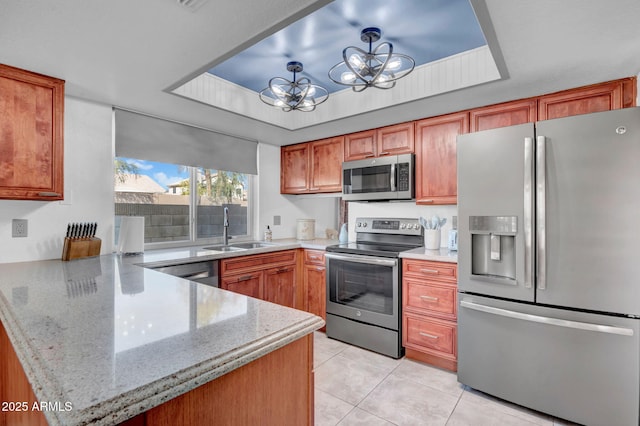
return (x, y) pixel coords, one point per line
(379, 179)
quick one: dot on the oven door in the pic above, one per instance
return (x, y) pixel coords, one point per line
(364, 289)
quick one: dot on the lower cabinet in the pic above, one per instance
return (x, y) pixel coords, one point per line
(269, 276)
(315, 283)
(429, 312)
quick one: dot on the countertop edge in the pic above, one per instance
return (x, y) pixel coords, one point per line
(441, 255)
(30, 360)
(144, 398)
(157, 393)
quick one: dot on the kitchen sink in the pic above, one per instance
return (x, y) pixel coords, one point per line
(238, 246)
(224, 248)
(251, 245)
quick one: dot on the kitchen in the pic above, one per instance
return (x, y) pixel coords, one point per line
(88, 121)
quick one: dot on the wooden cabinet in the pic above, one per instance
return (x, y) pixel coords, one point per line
(268, 276)
(389, 140)
(315, 283)
(31, 141)
(436, 170)
(250, 284)
(326, 165)
(429, 312)
(294, 169)
(503, 115)
(280, 285)
(360, 145)
(584, 100)
(397, 139)
(312, 167)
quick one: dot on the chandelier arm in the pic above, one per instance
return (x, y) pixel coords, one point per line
(381, 68)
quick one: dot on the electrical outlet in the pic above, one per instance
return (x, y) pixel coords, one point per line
(276, 220)
(19, 228)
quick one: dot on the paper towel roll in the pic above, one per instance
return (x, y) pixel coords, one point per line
(131, 236)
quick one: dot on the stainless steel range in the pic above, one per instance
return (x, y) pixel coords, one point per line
(364, 284)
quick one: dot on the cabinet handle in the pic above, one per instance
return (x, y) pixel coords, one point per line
(314, 257)
(320, 268)
(426, 201)
(48, 194)
(369, 155)
(429, 298)
(281, 270)
(430, 271)
(430, 336)
(385, 153)
(245, 278)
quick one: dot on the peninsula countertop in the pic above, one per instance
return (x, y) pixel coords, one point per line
(112, 339)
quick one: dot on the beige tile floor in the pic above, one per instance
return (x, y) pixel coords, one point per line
(354, 386)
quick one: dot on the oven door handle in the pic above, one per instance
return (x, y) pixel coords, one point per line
(369, 260)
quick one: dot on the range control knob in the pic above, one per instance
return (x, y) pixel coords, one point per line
(358, 224)
(416, 226)
(364, 225)
(403, 225)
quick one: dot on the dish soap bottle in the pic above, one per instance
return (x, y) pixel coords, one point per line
(268, 235)
(344, 234)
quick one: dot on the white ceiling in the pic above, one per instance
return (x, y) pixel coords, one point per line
(129, 53)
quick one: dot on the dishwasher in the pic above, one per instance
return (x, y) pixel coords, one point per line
(201, 272)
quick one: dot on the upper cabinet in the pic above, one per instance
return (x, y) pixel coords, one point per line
(503, 115)
(31, 135)
(436, 171)
(390, 140)
(584, 100)
(312, 167)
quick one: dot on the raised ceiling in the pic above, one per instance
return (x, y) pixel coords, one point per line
(132, 54)
(425, 30)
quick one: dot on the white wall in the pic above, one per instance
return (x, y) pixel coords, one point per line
(88, 182)
(401, 210)
(289, 207)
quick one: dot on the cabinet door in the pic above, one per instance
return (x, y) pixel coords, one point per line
(31, 132)
(503, 115)
(316, 284)
(436, 170)
(393, 140)
(247, 284)
(326, 165)
(358, 146)
(583, 100)
(294, 169)
(280, 286)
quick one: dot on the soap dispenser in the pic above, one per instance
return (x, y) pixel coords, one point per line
(268, 234)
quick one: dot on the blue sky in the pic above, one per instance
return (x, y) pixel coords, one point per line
(162, 173)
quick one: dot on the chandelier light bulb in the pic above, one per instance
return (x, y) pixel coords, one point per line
(380, 67)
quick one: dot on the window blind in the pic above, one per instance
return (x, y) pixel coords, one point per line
(149, 138)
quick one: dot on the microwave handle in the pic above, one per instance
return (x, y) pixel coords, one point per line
(393, 176)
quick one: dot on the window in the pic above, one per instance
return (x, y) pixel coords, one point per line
(181, 204)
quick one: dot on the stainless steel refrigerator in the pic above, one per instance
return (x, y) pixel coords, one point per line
(549, 265)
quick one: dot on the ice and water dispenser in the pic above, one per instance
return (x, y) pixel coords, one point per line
(493, 248)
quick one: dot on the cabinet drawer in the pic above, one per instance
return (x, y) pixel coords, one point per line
(430, 299)
(257, 262)
(314, 257)
(439, 271)
(429, 334)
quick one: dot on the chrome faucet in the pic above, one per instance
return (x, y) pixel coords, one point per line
(225, 224)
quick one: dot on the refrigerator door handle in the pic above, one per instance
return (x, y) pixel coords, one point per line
(528, 212)
(541, 232)
(547, 320)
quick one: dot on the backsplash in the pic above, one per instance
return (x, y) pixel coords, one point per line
(401, 210)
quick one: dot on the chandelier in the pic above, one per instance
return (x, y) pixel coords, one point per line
(378, 68)
(298, 95)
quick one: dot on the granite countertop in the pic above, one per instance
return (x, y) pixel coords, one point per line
(114, 339)
(441, 255)
(162, 257)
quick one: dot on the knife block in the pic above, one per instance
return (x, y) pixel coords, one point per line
(77, 248)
